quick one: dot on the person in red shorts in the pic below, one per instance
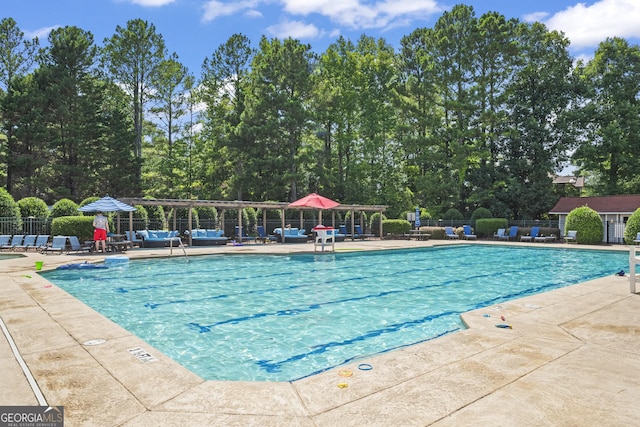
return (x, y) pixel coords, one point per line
(100, 230)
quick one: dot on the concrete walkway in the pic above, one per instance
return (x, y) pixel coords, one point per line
(570, 359)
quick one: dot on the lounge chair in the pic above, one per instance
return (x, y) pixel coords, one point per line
(41, 242)
(59, 245)
(449, 233)
(535, 232)
(28, 242)
(358, 234)
(342, 229)
(76, 246)
(513, 233)
(501, 234)
(16, 240)
(468, 233)
(244, 237)
(4, 239)
(263, 237)
(635, 241)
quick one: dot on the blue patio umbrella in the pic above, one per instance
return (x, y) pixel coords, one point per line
(107, 204)
(417, 217)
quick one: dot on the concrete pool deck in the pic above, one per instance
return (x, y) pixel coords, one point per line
(571, 358)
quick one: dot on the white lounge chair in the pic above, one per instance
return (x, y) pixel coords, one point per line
(571, 236)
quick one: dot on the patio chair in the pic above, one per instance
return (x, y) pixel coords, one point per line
(59, 245)
(636, 241)
(41, 242)
(263, 237)
(500, 234)
(29, 241)
(4, 239)
(358, 234)
(244, 237)
(343, 231)
(535, 232)
(449, 233)
(77, 247)
(16, 240)
(467, 233)
(513, 233)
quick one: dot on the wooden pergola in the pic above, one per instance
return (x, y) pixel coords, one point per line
(241, 204)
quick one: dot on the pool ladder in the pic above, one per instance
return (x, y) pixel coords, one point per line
(181, 246)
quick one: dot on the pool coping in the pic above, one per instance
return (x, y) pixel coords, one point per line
(568, 355)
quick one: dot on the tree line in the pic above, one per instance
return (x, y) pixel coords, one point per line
(473, 112)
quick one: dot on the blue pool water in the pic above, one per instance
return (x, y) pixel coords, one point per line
(278, 318)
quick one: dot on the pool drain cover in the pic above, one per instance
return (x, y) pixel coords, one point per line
(96, 341)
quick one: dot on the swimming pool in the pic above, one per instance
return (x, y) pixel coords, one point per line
(279, 318)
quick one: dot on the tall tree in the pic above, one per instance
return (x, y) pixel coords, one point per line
(65, 78)
(380, 156)
(277, 116)
(537, 135)
(610, 147)
(454, 50)
(222, 89)
(419, 116)
(335, 109)
(133, 56)
(169, 145)
(16, 58)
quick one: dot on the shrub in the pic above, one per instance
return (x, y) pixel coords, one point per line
(374, 224)
(395, 227)
(208, 216)
(437, 233)
(632, 228)
(481, 213)
(64, 207)
(10, 210)
(79, 225)
(587, 223)
(33, 206)
(453, 214)
(487, 227)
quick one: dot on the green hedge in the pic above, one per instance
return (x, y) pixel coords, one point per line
(81, 226)
(487, 227)
(395, 227)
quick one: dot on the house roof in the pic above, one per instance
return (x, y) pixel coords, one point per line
(622, 204)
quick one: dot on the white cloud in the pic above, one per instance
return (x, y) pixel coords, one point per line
(252, 13)
(587, 26)
(535, 17)
(361, 14)
(40, 33)
(214, 9)
(294, 29)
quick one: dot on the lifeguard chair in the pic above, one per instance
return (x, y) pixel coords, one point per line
(324, 237)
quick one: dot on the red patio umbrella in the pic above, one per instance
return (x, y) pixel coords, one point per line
(314, 201)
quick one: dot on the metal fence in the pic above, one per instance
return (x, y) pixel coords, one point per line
(613, 231)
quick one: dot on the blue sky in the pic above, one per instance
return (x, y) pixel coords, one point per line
(195, 28)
